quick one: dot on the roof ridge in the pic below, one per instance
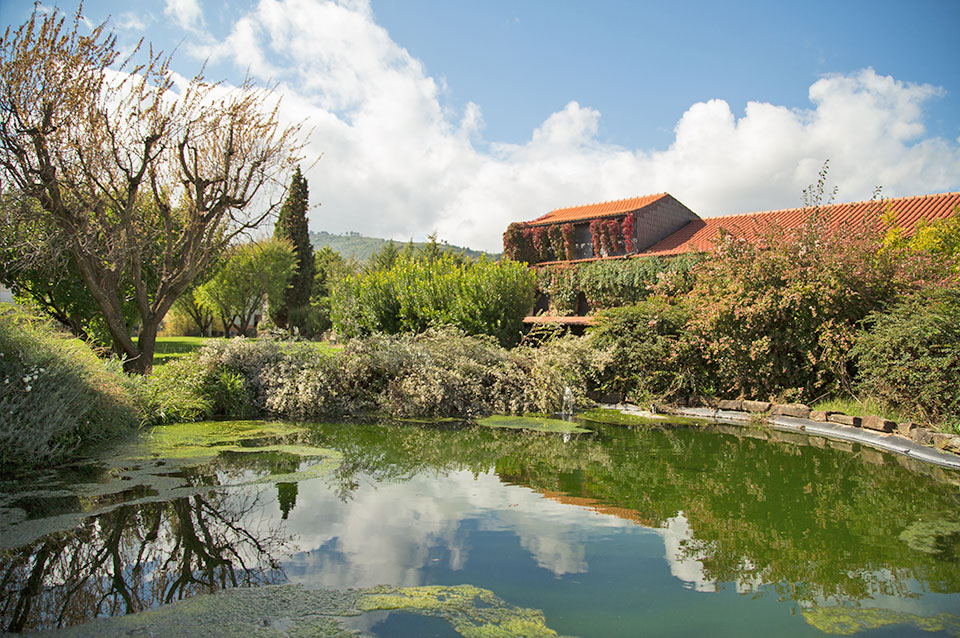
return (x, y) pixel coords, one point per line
(610, 201)
(835, 205)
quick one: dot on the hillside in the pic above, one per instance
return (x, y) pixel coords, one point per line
(361, 247)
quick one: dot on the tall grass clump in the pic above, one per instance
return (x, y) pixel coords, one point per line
(55, 393)
(480, 297)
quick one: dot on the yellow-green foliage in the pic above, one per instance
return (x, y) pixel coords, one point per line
(55, 394)
(481, 297)
(941, 238)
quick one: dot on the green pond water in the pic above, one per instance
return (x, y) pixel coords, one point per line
(505, 528)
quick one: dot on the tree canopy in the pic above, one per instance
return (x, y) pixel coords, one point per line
(140, 181)
(252, 273)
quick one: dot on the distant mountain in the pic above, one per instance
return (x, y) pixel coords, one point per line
(361, 247)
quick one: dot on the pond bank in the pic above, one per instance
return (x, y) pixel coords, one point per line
(781, 419)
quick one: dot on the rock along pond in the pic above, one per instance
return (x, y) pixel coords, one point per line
(658, 528)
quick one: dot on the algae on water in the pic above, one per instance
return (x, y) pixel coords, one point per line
(846, 621)
(291, 610)
(537, 424)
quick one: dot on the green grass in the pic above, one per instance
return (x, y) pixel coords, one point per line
(170, 348)
(859, 407)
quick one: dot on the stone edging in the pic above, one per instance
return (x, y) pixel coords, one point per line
(905, 438)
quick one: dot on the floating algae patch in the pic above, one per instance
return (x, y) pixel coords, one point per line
(846, 621)
(538, 424)
(473, 612)
(206, 439)
(611, 416)
(933, 536)
(164, 463)
(291, 610)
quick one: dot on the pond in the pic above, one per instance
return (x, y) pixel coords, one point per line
(656, 528)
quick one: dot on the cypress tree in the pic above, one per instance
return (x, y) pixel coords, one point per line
(292, 226)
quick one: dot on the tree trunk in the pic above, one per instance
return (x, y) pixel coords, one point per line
(142, 363)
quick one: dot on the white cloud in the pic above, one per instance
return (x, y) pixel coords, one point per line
(396, 163)
(187, 13)
(391, 532)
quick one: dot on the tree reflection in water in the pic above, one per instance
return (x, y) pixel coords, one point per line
(136, 557)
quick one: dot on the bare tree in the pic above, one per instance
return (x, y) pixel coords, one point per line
(144, 177)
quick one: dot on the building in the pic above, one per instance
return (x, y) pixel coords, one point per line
(660, 225)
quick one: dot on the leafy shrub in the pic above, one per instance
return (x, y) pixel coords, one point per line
(612, 283)
(55, 394)
(481, 297)
(236, 374)
(172, 393)
(651, 355)
(560, 363)
(446, 373)
(777, 317)
(910, 356)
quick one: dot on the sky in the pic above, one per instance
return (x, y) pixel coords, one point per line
(460, 117)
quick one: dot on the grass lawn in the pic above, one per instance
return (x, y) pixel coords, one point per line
(170, 348)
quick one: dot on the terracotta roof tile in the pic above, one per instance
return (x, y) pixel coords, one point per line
(698, 236)
(602, 209)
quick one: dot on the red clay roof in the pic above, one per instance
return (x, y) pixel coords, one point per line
(698, 235)
(603, 209)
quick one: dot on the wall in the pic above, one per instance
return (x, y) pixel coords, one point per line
(659, 220)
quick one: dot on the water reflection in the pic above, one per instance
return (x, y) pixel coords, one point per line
(136, 557)
(559, 522)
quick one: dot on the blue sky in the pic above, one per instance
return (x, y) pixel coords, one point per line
(459, 117)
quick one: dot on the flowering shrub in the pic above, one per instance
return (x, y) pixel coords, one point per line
(777, 317)
(561, 363)
(55, 394)
(437, 373)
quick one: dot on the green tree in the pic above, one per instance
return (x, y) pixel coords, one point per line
(292, 226)
(385, 258)
(52, 285)
(253, 273)
(141, 184)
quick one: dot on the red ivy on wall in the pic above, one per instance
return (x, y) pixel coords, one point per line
(596, 230)
(614, 239)
(568, 241)
(629, 224)
(556, 241)
(541, 243)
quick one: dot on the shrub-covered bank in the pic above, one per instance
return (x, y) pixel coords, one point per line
(437, 373)
(798, 316)
(55, 393)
